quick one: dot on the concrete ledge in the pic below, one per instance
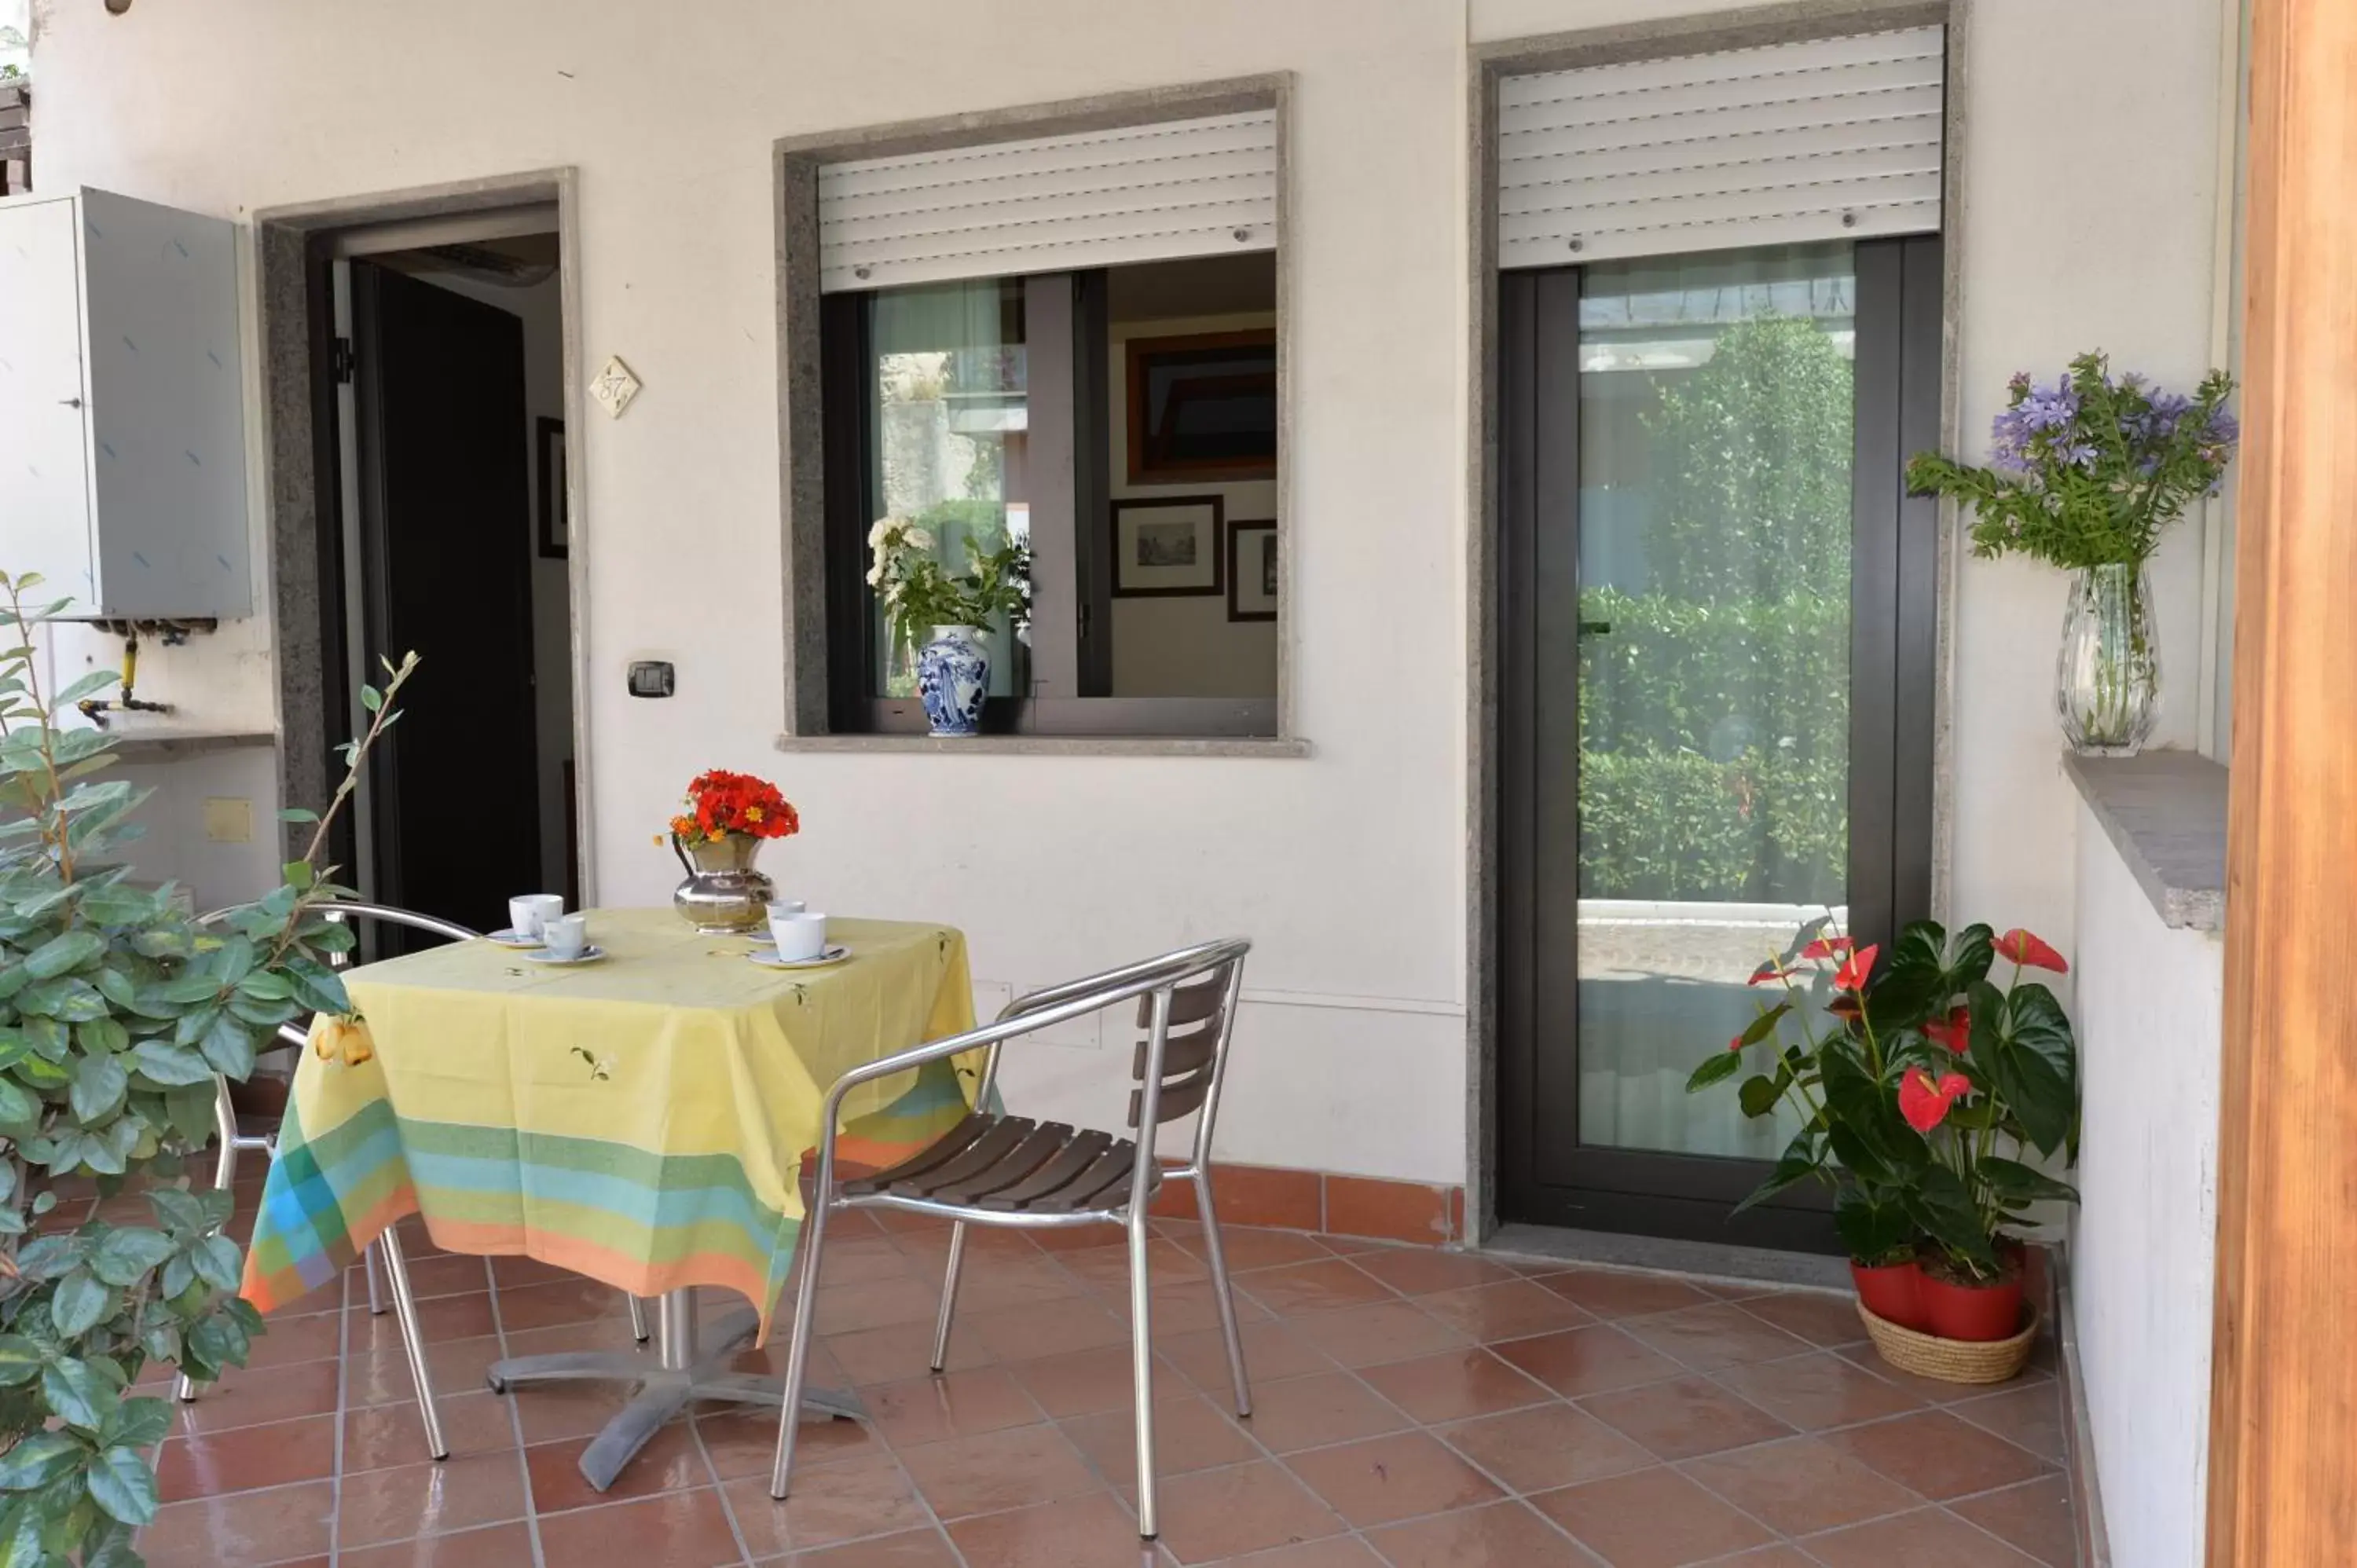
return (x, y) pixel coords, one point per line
(2165, 811)
(1266, 747)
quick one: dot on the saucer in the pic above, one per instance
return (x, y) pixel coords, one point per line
(511, 938)
(589, 954)
(768, 958)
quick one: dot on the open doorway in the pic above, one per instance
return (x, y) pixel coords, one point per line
(449, 536)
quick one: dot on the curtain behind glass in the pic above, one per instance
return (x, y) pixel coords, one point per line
(952, 430)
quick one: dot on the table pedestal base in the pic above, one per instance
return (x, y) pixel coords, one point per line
(684, 1374)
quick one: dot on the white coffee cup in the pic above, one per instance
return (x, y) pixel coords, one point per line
(529, 916)
(798, 933)
(566, 936)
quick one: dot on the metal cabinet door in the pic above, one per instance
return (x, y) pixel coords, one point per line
(44, 508)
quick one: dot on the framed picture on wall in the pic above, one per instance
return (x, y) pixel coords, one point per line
(1252, 571)
(555, 532)
(1167, 547)
(1203, 407)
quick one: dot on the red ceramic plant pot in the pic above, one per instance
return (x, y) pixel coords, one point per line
(1973, 1312)
(1893, 1293)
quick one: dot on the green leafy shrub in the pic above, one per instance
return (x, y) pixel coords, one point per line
(116, 1011)
(1715, 748)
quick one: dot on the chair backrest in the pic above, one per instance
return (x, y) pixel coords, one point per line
(1186, 1019)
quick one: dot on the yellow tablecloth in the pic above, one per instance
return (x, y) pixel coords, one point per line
(639, 1120)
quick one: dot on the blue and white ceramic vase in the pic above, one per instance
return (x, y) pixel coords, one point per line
(953, 679)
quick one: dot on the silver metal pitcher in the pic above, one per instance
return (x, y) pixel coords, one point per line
(723, 895)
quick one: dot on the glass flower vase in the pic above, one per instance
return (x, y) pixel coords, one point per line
(2107, 680)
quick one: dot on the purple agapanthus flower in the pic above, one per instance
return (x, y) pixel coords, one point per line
(2012, 433)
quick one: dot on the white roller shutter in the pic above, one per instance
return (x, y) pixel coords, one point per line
(1141, 193)
(1827, 139)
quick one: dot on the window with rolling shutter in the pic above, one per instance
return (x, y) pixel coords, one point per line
(1158, 192)
(1052, 361)
(1830, 139)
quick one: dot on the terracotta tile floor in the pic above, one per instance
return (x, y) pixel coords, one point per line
(1417, 1408)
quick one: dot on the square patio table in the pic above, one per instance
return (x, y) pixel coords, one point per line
(639, 1121)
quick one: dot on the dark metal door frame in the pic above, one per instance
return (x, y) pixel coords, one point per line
(1894, 619)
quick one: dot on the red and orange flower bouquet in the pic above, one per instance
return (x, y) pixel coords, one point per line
(720, 802)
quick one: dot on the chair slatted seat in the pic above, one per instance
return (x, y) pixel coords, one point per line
(996, 1169)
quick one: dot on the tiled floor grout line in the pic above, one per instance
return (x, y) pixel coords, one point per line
(515, 1419)
(720, 1489)
(343, 1395)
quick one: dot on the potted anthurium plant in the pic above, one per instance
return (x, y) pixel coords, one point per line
(116, 1012)
(1920, 1087)
(2085, 474)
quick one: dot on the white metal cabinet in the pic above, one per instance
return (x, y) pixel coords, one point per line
(122, 412)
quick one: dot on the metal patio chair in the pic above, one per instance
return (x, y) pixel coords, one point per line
(234, 1142)
(994, 1169)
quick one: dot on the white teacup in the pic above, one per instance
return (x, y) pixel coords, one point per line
(786, 907)
(798, 933)
(566, 936)
(529, 916)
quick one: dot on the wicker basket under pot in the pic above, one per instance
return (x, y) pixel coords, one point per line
(1952, 1360)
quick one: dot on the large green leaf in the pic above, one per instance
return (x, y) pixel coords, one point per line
(2022, 1040)
(228, 1045)
(121, 1484)
(17, 1108)
(70, 950)
(99, 1086)
(1800, 1161)
(180, 1211)
(1717, 1068)
(1873, 1224)
(317, 986)
(1940, 1205)
(216, 1261)
(170, 1064)
(2016, 1183)
(125, 1255)
(51, 1257)
(20, 1361)
(39, 1460)
(80, 1302)
(121, 905)
(78, 1394)
(1867, 1113)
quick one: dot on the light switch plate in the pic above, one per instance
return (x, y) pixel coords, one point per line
(229, 819)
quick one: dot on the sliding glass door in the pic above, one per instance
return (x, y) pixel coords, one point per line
(1717, 609)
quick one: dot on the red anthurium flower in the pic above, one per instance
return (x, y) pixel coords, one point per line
(1851, 975)
(1954, 1031)
(1769, 975)
(1925, 1103)
(1845, 1008)
(1826, 947)
(1736, 1044)
(2031, 951)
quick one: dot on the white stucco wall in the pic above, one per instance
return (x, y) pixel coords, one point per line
(1349, 867)
(2148, 1009)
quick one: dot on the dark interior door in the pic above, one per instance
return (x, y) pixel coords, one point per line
(446, 547)
(1718, 613)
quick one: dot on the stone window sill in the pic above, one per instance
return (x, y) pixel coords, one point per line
(1262, 746)
(2165, 811)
